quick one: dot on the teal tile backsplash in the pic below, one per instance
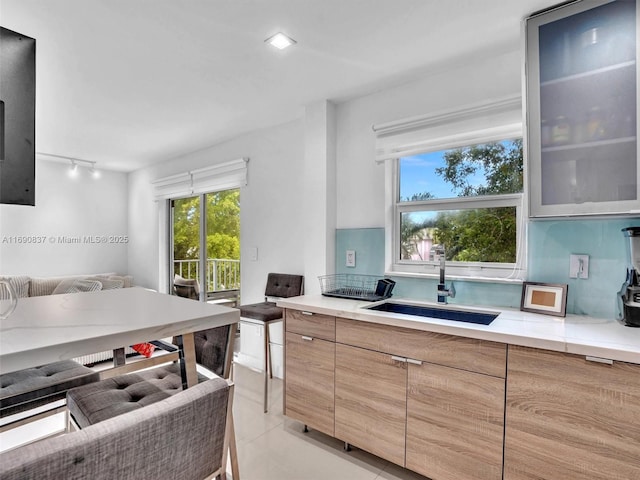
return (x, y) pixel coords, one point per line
(550, 244)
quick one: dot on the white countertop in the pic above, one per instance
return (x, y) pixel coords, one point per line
(604, 338)
(57, 327)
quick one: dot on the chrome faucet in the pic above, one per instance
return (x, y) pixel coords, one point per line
(443, 291)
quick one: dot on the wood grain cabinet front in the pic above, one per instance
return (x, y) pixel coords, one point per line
(455, 423)
(569, 418)
(436, 417)
(309, 362)
(309, 381)
(371, 401)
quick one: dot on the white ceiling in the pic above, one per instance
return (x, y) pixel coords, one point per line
(128, 83)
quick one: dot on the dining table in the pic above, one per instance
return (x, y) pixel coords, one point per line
(51, 328)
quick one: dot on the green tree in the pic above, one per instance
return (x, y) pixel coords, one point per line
(223, 226)
(487, 234)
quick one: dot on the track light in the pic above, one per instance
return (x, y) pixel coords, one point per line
(73, 171)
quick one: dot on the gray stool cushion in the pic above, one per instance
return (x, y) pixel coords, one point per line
(33, 387)
(283, 285)
(111, 397)
(263, 311)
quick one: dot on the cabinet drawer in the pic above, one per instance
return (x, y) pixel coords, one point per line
(314, 325)
(470, 354)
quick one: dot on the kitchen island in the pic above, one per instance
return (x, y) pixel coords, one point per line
(528, 396)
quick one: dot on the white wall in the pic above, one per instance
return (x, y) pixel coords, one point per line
(74, 208)
(273, 216)
(360, 181)
(271, 207)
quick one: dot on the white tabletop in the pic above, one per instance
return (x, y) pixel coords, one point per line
(577, 334)
(57, 327)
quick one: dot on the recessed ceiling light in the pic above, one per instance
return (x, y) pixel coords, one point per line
(280, 41)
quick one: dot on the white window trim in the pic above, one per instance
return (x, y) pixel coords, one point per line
(471, 271)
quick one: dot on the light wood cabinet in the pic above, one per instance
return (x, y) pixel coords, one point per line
(454, 408)
(414, 398)
(471, 354)
(311, 324)
(455, 423)
(371, 401)
(569, 418)
(310, 370)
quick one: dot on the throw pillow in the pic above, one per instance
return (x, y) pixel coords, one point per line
(145, 349)
(71, 285)
(20, 284)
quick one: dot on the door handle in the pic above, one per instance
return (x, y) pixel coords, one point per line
(306, 313)
(607, 361)
(308, 339)
(398, 359)
(414, 362)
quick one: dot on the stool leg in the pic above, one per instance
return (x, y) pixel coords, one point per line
(266, 364)
(269, 351)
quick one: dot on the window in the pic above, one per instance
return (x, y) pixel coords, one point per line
(454, 178)
(466, 199)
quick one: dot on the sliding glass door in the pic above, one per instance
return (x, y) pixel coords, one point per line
(208, 223)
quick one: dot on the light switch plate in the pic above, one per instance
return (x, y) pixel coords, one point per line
(253, 254)
(578, 266)
(351, 258)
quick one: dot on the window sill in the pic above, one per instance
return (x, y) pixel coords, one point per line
(454, 277)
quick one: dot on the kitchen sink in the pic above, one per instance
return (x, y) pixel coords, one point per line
(443, 313)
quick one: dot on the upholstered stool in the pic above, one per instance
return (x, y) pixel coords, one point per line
(117, 395)
(30, 388)
(279, 285)
(114, 396)
(111, 397)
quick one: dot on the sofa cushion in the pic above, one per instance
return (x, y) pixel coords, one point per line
(127, 280)
(20, 284)
(71, 285)
(108, 284)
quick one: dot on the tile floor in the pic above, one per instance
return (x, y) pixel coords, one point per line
(270, 446)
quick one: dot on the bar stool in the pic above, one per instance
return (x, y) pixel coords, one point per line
(279, 285)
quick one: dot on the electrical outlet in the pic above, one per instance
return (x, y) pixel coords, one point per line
(351, 258)
(578, 266)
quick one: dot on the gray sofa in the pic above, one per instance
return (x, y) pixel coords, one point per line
(31, 286)
(182, 437)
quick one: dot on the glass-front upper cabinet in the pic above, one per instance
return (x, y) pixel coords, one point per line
(582, 93)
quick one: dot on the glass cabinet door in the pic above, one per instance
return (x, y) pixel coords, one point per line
(582, 93)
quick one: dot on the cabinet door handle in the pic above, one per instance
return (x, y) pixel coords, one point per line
(398, 359)
(306, 313)
(414, 362)
(598, 360)
(308, 339)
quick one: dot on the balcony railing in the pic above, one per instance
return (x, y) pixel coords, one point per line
(221, 274)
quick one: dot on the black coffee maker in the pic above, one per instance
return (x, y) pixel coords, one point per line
(630, 293)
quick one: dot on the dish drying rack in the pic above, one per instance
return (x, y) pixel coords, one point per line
(355, 287)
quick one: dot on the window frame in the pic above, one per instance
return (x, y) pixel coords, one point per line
(478, 271)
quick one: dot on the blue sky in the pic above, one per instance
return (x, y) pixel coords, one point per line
(417, 175)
